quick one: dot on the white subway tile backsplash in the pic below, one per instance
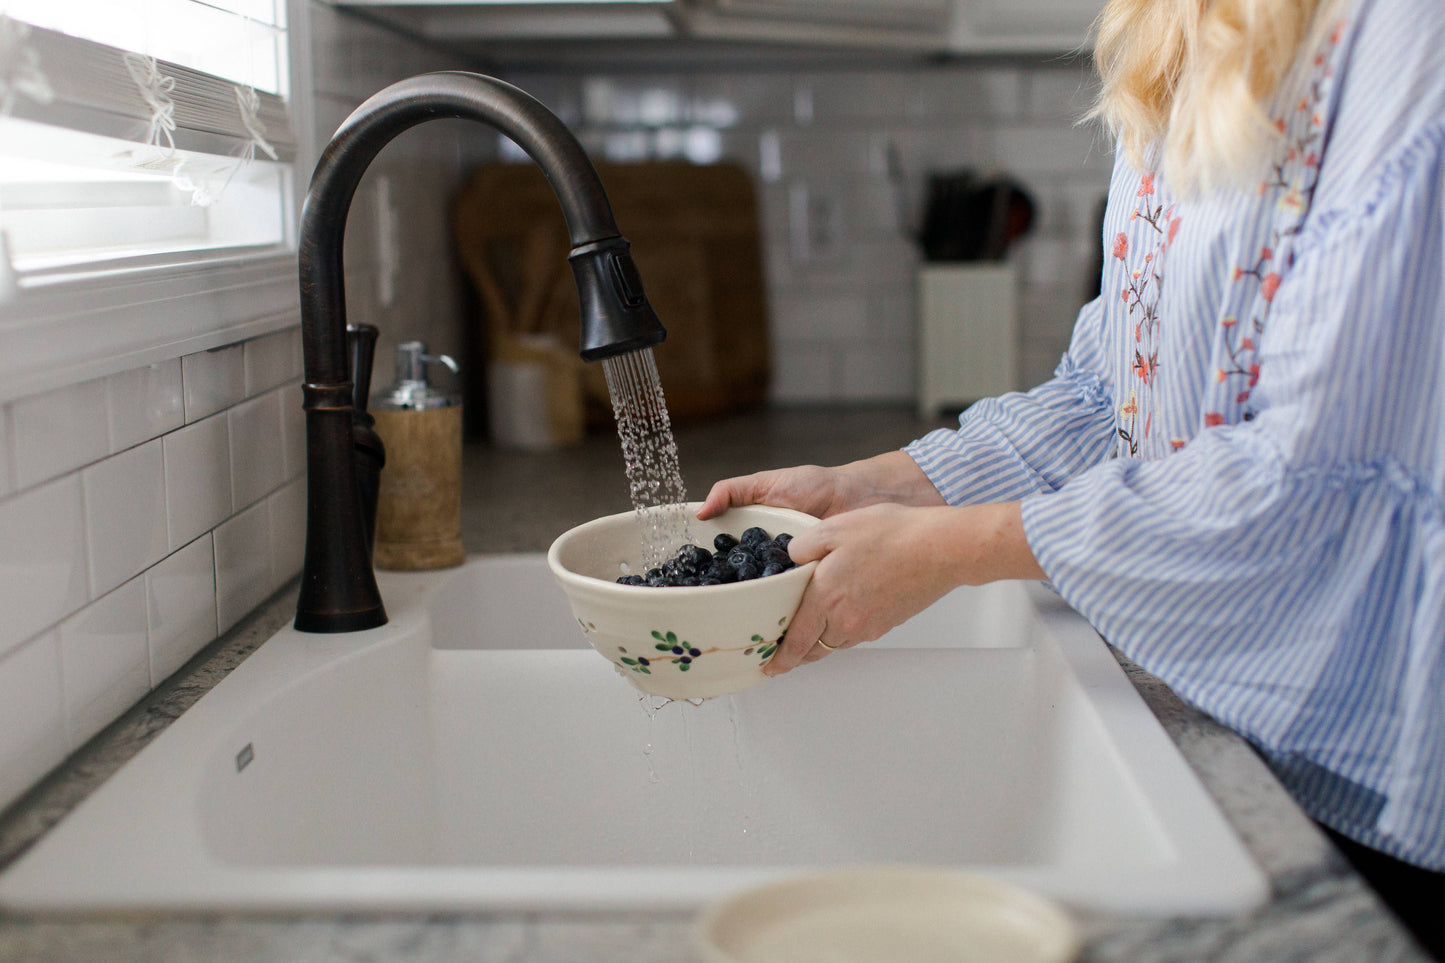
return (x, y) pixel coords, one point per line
(808, 316)
(892, 96)
(105, 666)
(213, 380)
(993, 93)
(7, 483)
(244, 573)
(893, 317)
(1051, 261)
(272, 360)
(725, 99)
(32, 723)
(125, 515)
(878, 372)
(42, 559)
(180, 607)
(1037, 363)
(1064, 94)
(59, 431)
(257, 450)
(1049, 149)
(144, 403)
(293, 431)
(288, 529)
(804, 372)
(198, 479)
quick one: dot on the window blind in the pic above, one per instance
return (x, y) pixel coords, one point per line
(111, 151)
(86, 86)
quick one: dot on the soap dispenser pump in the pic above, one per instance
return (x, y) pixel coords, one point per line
(419, 508)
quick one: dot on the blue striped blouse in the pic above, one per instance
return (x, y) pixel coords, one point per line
(1237, 473)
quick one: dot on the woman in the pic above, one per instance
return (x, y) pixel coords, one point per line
(1238, 471)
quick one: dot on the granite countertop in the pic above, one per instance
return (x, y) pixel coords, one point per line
(517, 502)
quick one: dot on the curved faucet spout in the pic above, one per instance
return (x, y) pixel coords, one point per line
(338, 586)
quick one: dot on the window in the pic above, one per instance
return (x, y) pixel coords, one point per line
(141, 131)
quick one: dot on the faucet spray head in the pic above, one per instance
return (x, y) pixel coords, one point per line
(616, 316)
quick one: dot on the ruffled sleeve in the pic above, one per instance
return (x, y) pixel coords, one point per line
(1024, 443)
(1287, 573)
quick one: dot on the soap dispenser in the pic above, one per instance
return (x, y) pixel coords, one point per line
(419, 508)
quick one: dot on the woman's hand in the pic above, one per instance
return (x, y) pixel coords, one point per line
(824, 492)
(880, 565)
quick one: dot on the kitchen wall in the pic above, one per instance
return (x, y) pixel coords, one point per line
(146, 512)
(840, 158)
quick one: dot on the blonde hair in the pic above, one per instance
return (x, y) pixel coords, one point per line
(1188, 83)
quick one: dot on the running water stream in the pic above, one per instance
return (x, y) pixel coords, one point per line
(649, 454)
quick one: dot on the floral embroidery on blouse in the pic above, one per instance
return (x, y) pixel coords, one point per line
(1293, 177)
(1141, 293)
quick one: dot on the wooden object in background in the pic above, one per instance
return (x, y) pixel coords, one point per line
(696, 240)
(419, 511)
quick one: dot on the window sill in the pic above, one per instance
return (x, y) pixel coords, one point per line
(64, 328)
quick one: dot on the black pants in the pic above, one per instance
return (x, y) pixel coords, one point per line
(1417, 896)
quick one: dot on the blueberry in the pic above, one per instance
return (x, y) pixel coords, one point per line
(783, 539)
(724, 543)
(632, 580)
(709, 580)
(694, 557)
(651, 574)
(771, 554)
(753, 536)
(773, 568)
(740, 556)
(748, 570)
(722, 570)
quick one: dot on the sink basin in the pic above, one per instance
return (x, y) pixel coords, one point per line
(477, 754)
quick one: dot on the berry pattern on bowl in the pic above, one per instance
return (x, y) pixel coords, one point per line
(683, 655)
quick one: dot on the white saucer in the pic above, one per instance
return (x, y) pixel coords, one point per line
(872, 914)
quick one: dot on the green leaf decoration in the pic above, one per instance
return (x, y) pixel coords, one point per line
(757, 638)
(684, 666)
(657, 635)
(627, 661)
(672, 637)
(663, 647)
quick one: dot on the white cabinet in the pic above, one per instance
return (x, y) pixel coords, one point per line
(920, 14)
(967, 334)
(925, 26)
(1021, 25)
(913, 24)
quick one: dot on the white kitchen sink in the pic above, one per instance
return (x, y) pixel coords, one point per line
(475, 754)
